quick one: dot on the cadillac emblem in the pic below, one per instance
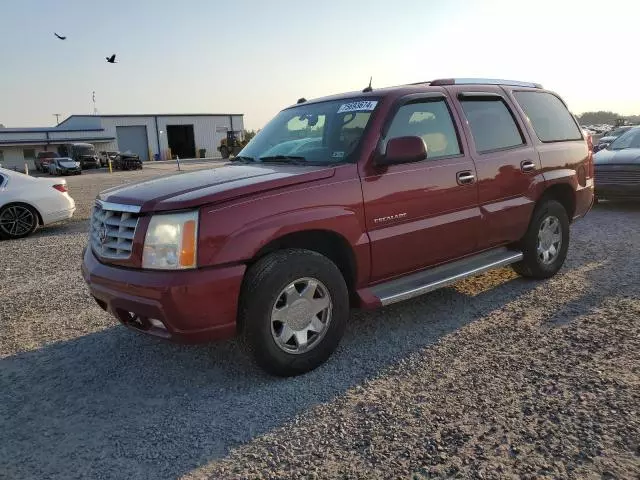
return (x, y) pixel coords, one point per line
(102, 234)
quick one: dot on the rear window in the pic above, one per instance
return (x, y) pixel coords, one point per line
(549, 117)
(492, 124)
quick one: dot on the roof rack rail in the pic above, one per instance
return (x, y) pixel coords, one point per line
(482, 81)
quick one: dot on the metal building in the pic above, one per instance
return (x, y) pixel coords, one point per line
(158, 136)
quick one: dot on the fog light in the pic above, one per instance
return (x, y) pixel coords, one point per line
(157, 323)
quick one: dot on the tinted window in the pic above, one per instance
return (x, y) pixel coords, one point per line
(549, 117)
(430, 121)
(630, 139)
(492, 124)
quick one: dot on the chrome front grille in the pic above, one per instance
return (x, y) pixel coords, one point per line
(617, 176)
(113, 227)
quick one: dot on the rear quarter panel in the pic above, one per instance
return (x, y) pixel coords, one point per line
(565, 162)
(234, 232)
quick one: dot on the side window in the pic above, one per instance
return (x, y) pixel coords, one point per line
(492, 124)
(432, 122)
(549, 117)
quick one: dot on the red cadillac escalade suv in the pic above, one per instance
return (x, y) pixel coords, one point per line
(355, 200)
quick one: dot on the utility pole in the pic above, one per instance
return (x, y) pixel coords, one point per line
(93, 97)
(57, 115)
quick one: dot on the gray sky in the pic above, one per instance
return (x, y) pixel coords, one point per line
(255, 57)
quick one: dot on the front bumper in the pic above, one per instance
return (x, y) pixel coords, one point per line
(194, 306)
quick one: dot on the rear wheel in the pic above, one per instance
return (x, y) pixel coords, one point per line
(546, 242)
(17, 221)
(293, 311)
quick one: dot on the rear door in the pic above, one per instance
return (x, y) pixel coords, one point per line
(422, 213)
(507, 163)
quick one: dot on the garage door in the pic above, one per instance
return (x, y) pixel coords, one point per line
(134, 140)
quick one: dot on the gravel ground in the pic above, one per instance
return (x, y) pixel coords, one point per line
(495, 377)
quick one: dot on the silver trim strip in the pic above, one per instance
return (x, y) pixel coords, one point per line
(415, 292)
(118, 207)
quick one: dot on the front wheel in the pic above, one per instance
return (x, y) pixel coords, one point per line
(546, 242)
(293, 311)
(17, 221)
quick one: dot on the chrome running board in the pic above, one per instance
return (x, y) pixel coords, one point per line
(432, 279)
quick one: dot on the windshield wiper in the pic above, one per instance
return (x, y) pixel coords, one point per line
(296, 160)
(243, 158)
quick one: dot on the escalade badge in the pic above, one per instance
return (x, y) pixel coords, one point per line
(397, 216)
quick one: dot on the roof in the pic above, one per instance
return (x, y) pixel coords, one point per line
(48, 130)
(50, 141)
(433, 85)
(127, 115)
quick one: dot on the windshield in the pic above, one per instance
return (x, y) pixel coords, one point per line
(84, 149)
(630, 139)
(617, 132)
(326, 132)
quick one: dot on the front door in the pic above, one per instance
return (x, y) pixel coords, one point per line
(423, 213)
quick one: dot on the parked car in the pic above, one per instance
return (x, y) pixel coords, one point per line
(64, 166)
(106, 156)
(610, 136)
(85, 153)
(127, 161)
(411, 188)
(43, 159)
(27, 202)
(617, 168)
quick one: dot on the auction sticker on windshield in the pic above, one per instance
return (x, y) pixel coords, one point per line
(364, 106)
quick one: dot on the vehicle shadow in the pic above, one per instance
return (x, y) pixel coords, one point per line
(116, 404)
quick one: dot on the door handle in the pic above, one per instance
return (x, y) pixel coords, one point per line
(527, 166)
(465, 178)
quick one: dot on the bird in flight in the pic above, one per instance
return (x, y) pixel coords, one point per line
(112, 58)
(61, 38)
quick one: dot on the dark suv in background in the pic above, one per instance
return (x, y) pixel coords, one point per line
(43, 159)
(356, 200)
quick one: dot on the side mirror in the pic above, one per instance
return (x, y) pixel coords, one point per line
(403, 150)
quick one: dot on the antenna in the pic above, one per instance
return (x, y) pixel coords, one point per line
(57, 115)
(368, 89)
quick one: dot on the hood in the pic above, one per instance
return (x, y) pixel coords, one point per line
(617, 157)
(69, 164)
(193, 189)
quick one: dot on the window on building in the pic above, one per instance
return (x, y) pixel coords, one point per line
(430, 121)
(492, 124)
(549, 117)
(1, 156)
(29, 153)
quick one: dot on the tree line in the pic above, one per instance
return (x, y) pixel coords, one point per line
(603, 117)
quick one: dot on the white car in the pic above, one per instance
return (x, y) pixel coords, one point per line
(27, 202)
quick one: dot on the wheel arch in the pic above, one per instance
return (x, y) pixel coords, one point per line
(329, 243)
(26, 204)
(564, 194)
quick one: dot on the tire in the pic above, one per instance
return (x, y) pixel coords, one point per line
(263, 299)
(551, 216)
(25, 227)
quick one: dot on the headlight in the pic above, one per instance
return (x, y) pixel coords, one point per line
(171, 241)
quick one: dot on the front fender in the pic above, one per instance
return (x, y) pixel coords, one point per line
(244, 243)
(236, 232)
